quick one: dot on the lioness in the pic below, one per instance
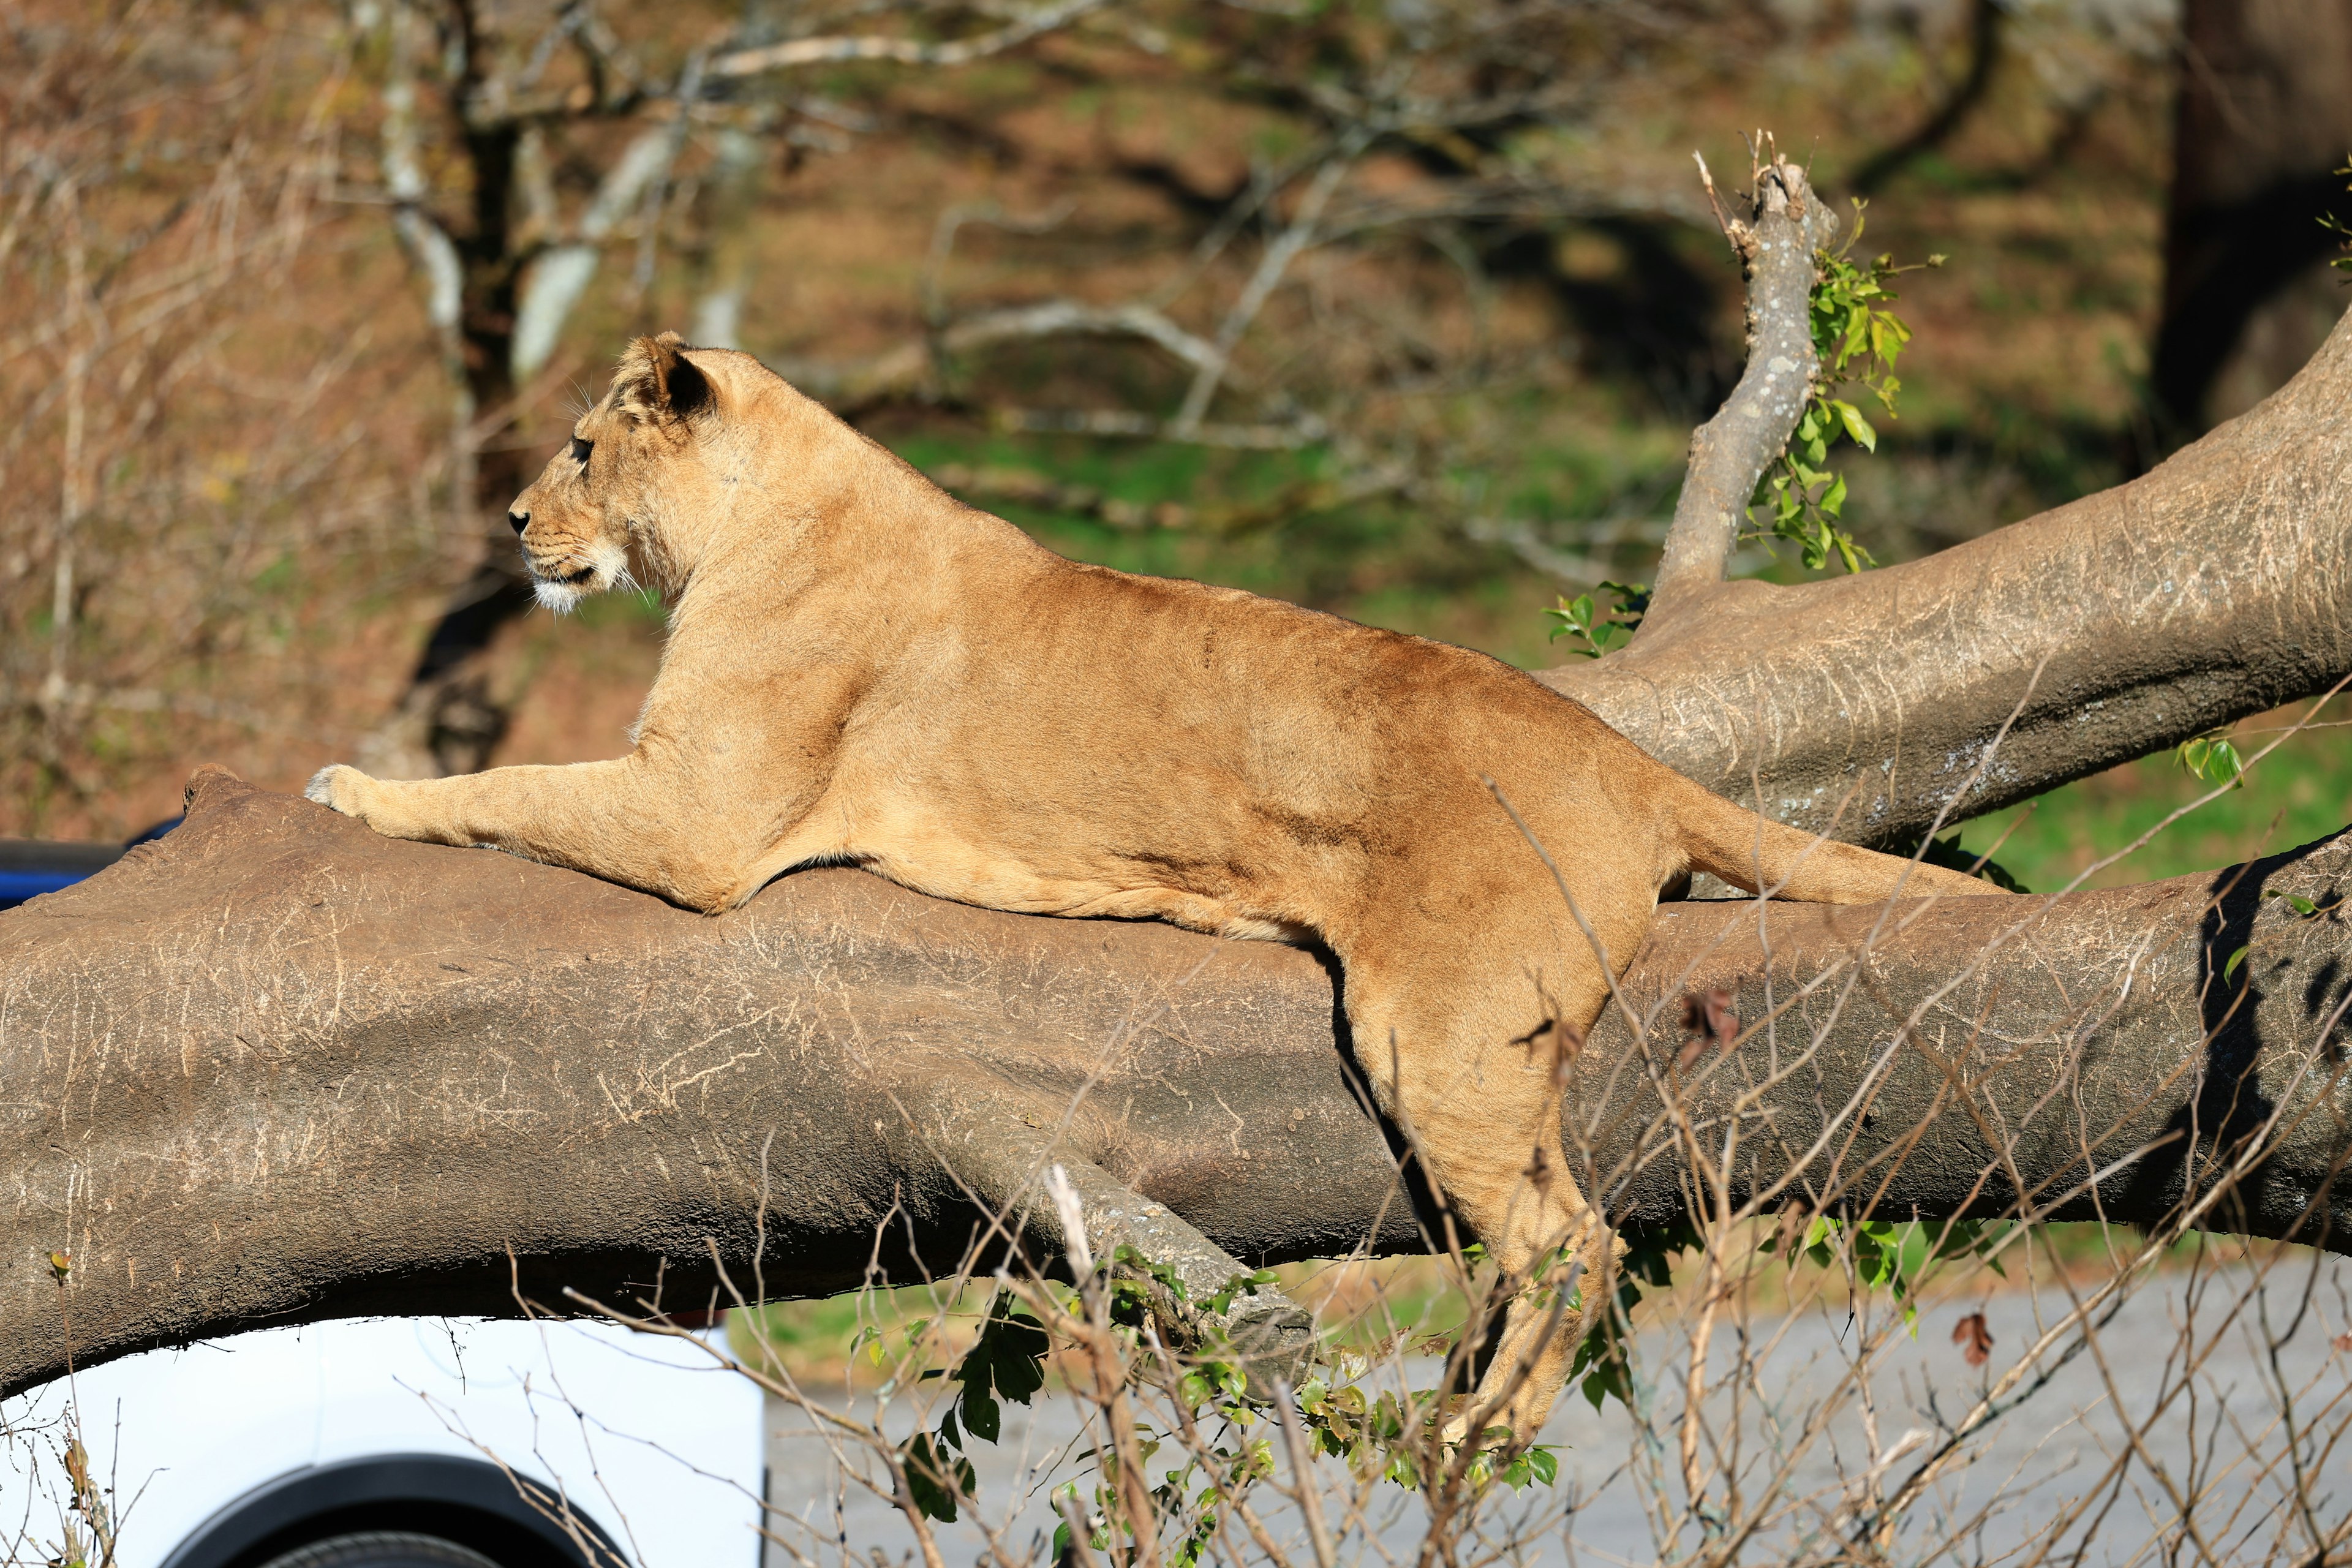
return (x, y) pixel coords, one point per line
(861, 669)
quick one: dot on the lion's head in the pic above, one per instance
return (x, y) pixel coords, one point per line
(599, 516)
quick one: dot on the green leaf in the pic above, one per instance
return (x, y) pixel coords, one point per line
(1633, 599)
(2296, 901)
(1017, 1346)
(1833, 499)
(2231, 968)
(2212, 757)
(933, 1479)
(982, 1418)
(1856, 425)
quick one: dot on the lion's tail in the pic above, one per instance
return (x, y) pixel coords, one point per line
(1756, 854)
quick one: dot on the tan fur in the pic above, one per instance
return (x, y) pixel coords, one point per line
(860, 668)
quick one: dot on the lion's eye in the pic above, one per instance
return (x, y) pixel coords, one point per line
(580, 450)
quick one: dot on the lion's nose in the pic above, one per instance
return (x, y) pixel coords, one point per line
(521, 520)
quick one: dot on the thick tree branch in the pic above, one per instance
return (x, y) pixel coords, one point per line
(1784, 225)
(2086, 1053)
(275, 1067)
(2217, 585)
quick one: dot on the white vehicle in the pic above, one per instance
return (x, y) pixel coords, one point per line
(400, 1443)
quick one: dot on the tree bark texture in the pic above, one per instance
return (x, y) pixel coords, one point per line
(275, 1067)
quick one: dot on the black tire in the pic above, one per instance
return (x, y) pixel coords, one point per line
(382, 1549)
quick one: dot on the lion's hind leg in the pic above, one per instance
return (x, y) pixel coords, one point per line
(1472, 1070)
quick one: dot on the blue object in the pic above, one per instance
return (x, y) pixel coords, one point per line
(15, 887)
(31, 867)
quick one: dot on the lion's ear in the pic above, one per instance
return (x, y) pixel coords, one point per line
(655, 382)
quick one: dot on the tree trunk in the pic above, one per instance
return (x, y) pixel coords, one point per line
(2264, 117)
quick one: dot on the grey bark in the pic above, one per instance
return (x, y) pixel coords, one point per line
(275, 1067)
(2078, 1056)
(1783, 225)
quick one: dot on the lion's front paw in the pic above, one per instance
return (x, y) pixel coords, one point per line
(339, 785)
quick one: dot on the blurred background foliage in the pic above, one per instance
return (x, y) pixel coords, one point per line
(1401, 308)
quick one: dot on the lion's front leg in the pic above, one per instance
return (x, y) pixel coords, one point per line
(626, 821)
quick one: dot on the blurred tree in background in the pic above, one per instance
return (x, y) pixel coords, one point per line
(2263, 121)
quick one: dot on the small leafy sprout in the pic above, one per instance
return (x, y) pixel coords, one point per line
(1881, 1248)
(60, 1265)
(935, 1478)
(1856, 341)
(1132, 1297)
(1515, 1468)
(2212, 757)
(1240, 1285)
(1600, 631)
(1008, 1361)
(1601, 1367)
(1228, 1445)
(2303, 908)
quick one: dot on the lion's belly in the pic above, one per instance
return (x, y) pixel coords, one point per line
(1070, 878)
(947, 868)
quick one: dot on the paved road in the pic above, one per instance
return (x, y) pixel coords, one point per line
(2218, 1429)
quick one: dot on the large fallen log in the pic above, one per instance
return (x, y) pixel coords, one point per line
(275, 1067)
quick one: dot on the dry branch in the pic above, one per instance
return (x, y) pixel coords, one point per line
(1785, 224)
